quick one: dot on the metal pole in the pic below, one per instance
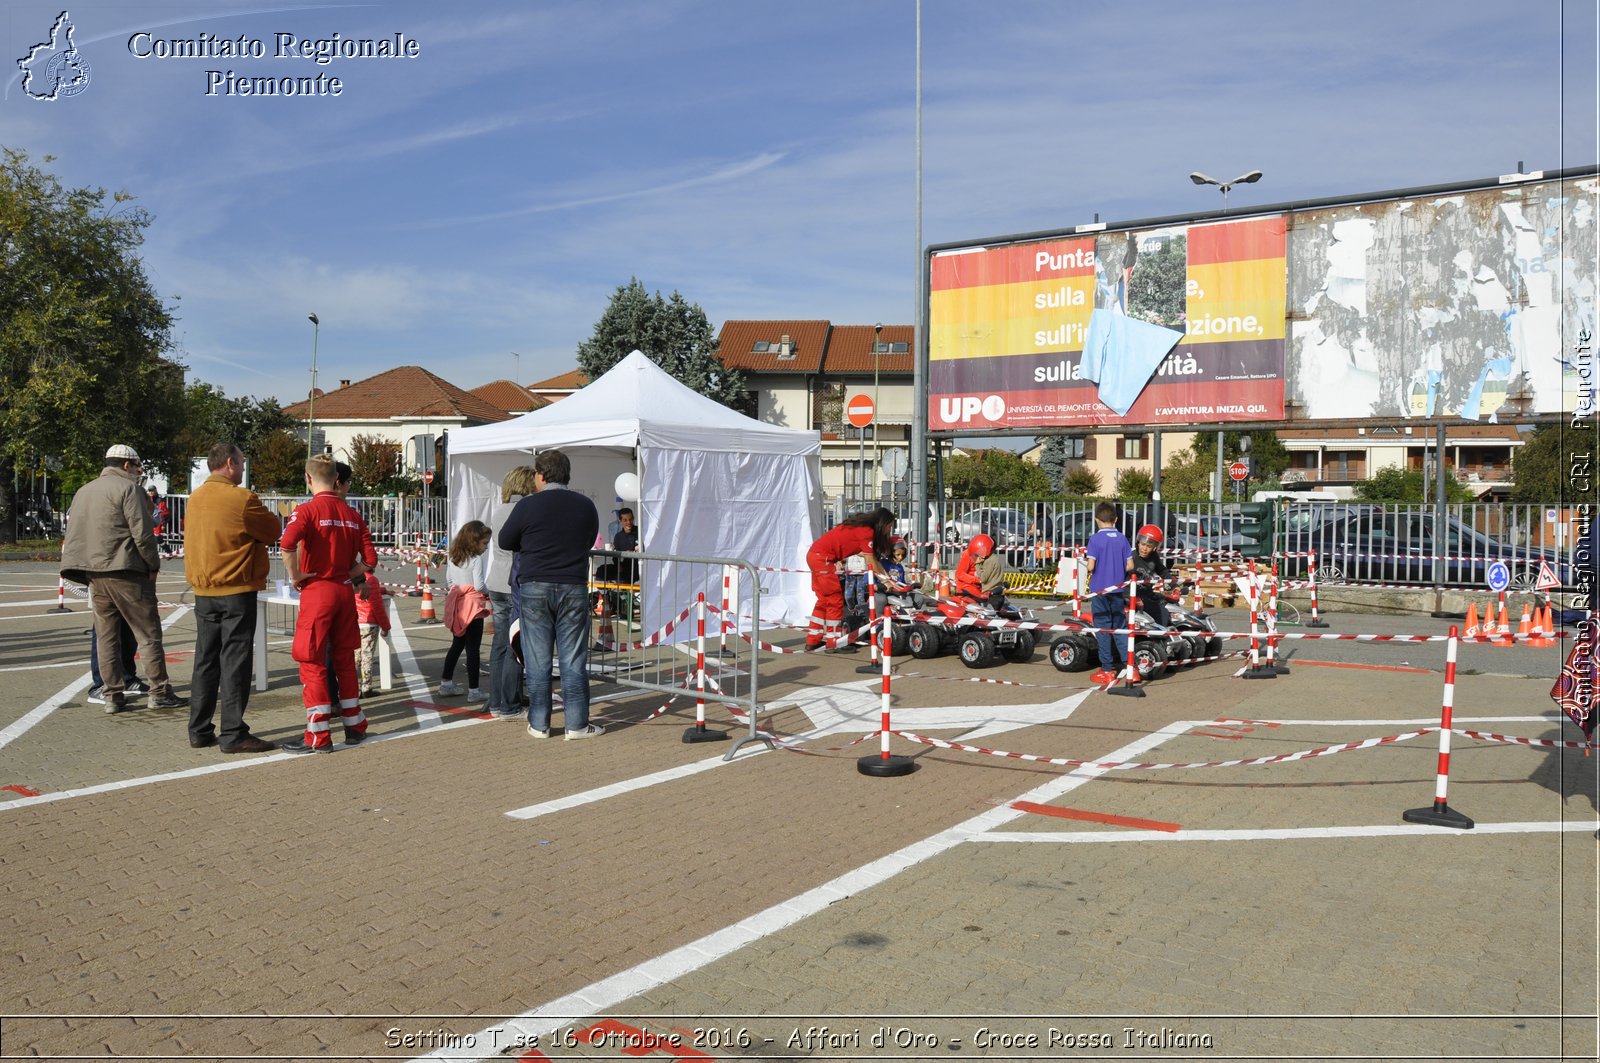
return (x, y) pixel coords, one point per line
(1440, 538)
(918, 453)
(311, 400)
(1219, 468)
(877, 411)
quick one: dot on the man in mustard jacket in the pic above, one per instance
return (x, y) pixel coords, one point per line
(226, 532)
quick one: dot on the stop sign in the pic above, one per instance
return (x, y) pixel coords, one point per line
(1238, 471)
(859, 410)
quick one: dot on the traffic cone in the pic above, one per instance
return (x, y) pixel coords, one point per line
(1543, 628)
(427, 616)
(943, 586)
(1471, 631)
(1525, 627)
(1505, 629)
(605, 638)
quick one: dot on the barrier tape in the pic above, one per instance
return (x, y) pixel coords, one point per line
(1304, 754)
(1542, 743)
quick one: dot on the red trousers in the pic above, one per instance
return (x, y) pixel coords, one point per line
(827, 616)
(328, 616)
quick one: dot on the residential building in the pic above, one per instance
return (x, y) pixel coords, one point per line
(396, 406)
(560, 386)
(1338, 459)
(510, 397)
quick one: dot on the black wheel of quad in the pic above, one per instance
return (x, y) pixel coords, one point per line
(1022, 649)
(1197, 646)
(1151, 658)
(977, 650)
(1179, 650)
(899, 640)
(923, 641)
(1214, 646)
(1069, 654)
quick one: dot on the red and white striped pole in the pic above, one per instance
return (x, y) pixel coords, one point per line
(1441, 814)
(1272, 625)
(1077, 583)
(882, 763)
(1257, 669)
(61, 596)
(1131, 688)
(873, 603)
(727, 612)
(1311, 575)
(698, 732)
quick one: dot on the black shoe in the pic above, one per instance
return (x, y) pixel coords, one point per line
(136, 689)
(169, 700)
(353, 738)
(202, 742)
(298, 748)
(249, 744)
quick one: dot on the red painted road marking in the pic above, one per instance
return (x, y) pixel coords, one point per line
(25, 791)
(1367, 667)
(476, 714)
(1208, 734)
(1093, 817)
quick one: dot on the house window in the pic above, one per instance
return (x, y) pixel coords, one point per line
(1072, 448)
(830, 408)
(885, 347)
(1133, 448)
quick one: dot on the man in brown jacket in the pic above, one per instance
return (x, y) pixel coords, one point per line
(226, 531)
(111, 548)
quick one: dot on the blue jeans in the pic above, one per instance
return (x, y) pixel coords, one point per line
(505, 688)
(1110, 610)
(555, 619)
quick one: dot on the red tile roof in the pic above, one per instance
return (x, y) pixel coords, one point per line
(510, 396)
(571, 380)
(850, 350)
(405, 391)
(736, 345)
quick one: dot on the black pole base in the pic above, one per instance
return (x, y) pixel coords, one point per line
(1316, 623)
(870, 668)
(1265, 671)
(59, 609)
(697, 733)
(1438, 815)
(1280, 668)
(880, 767)
(433, 620)
(1127, 690)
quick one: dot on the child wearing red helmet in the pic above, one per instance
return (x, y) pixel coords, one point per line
(1150, 566)
(980, 574)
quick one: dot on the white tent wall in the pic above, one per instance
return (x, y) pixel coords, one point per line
(714, 483)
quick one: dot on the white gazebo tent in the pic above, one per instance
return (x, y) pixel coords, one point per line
(713, 483)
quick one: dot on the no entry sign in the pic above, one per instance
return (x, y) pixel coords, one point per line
(859, 410)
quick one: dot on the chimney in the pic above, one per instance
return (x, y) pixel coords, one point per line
(344, 383)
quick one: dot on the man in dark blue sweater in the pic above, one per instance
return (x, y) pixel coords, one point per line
(552, 531)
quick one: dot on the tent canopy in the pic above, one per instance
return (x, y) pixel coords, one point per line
(713, 482)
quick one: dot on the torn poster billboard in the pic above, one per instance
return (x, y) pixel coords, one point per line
(1443, 305)
(1163, 326)
(1453, 303)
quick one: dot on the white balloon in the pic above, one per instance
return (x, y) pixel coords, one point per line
(627, 486)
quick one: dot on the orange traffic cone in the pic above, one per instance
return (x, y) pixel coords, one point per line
(1542, 628)
(1525, 627)
(1471, 631)
(1504, 632)
(605, 638)
(943, 585)
(427, 616)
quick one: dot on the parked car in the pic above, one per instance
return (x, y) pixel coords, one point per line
(1377, 546)
(1007, 527)
(1199, 533)
(906, 529)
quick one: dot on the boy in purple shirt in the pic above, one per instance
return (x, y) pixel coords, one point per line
(1110, 561)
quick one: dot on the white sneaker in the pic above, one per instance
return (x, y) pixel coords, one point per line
(476, 694)
(449, 688)
(536, 733)
(594, 730)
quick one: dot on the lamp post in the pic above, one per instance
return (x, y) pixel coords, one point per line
(517, 379)
(1243, 179)
(877, 411)
(311, 400)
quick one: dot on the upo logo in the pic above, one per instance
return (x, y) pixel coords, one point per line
(54, 69)
(964, 408)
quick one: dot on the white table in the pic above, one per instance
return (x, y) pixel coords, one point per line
(265, 598)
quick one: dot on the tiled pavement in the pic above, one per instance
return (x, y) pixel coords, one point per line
(388, 884)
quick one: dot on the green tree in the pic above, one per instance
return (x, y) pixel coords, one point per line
(1541, 469)
(1394, 484)
(210, 417)
(672, 332)
(82, 332)
(994, 473)
(1081, 482)
(376, 468)
(1134, 485)
(278, 463)
(1185, 478)
(1270, 456)
(1053, 460)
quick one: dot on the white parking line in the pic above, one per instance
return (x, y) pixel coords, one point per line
(1380, 830)
(416, 685)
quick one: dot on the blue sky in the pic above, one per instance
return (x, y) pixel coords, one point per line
(488, 196)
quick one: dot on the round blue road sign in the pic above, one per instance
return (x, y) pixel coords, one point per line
(1499, 576)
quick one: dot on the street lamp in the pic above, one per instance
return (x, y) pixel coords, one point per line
(1243, 179)
(877, 411)
(517, 379)
(311, 400)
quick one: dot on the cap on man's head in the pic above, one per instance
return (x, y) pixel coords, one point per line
(122, 452)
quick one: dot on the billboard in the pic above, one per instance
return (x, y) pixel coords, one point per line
(1451, 303)
(1442, 305)
(1160, 326)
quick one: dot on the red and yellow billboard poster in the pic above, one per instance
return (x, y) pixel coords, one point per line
(1007, 327)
